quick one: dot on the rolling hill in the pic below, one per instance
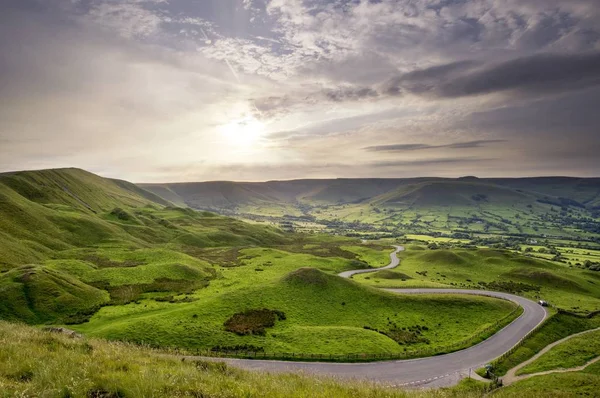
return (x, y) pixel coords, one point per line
(62, 232)
(228, 195)
(548, 206)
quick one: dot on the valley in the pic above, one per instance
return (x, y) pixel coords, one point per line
(148, 266)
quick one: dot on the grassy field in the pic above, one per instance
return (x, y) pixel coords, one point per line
(569, 288)
(555, 328)
(115, 261)
(325, 314)
(585, 383)
(569, 354)
(42, 364)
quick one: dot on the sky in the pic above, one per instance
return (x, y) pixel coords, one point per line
(254, 90)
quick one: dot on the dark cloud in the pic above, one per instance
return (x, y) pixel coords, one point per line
(350, 93)
(537, 74)
(418, 147)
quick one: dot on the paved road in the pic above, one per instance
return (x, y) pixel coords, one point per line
(394, 261)
(433, 371)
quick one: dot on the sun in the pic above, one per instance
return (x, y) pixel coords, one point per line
(243, 132)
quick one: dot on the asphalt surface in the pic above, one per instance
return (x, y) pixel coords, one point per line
(394, 261)
(435, 371)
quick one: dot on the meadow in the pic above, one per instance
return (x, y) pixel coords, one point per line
(565, 287)
(113, 261)
(324, 313)
(572, 353)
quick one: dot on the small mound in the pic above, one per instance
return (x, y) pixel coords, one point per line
(538, 277)
(308, 277)
(38, 295)
(387, 274)
(444, 257)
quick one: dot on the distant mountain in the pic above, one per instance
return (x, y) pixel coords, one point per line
(421, 192)
(451, 193)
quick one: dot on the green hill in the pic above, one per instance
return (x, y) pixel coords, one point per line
(230, 195)
(323, 314)
(450, 194)
(35, 294)
(71, 241)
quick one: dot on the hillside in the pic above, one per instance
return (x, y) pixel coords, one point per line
(62, 230)
(96, 368)
(230, 195)
(561, 207)
(452, 194)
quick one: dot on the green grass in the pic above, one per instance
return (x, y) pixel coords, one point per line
(42, 364)
(325, 314)
(569, 354)
(375, 257)
(585, 383)
(555, 328)
(569, 288)
(38, 295)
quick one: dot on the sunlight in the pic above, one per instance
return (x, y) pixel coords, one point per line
(243, 132)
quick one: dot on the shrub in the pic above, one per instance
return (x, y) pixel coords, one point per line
(253, 321)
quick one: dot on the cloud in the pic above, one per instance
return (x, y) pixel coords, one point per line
(418, 147)
(537, 74)
(154, 84)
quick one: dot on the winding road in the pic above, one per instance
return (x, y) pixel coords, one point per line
(434, 371)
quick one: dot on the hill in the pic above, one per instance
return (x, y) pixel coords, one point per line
(561, 207)
(318, 313)
(230, 195)
(452, 194)
(63, 231)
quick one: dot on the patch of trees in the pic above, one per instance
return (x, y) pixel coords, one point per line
(121, 214)
(236, 348)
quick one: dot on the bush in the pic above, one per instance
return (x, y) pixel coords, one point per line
(253, 321)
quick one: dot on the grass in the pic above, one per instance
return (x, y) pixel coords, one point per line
(374, 257)
(569, 354)
(555, 328)
(325, 314)
(43, 364)
(569, 288)
(585, 383)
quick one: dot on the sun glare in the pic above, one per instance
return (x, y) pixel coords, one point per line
(243, 132)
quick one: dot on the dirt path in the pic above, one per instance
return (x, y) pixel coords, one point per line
(511, 376)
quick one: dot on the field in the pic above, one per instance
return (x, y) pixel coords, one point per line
(52, 365)
(573, 289)
(555, 328)
(575, 384)
(572, 353)
(324, 313)
(118, 265)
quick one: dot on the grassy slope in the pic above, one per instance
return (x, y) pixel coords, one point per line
(569, 288)
(569, 354)
(325, 314)
(555, 328)
(576, 384)
(35, 363)
(65, 221)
